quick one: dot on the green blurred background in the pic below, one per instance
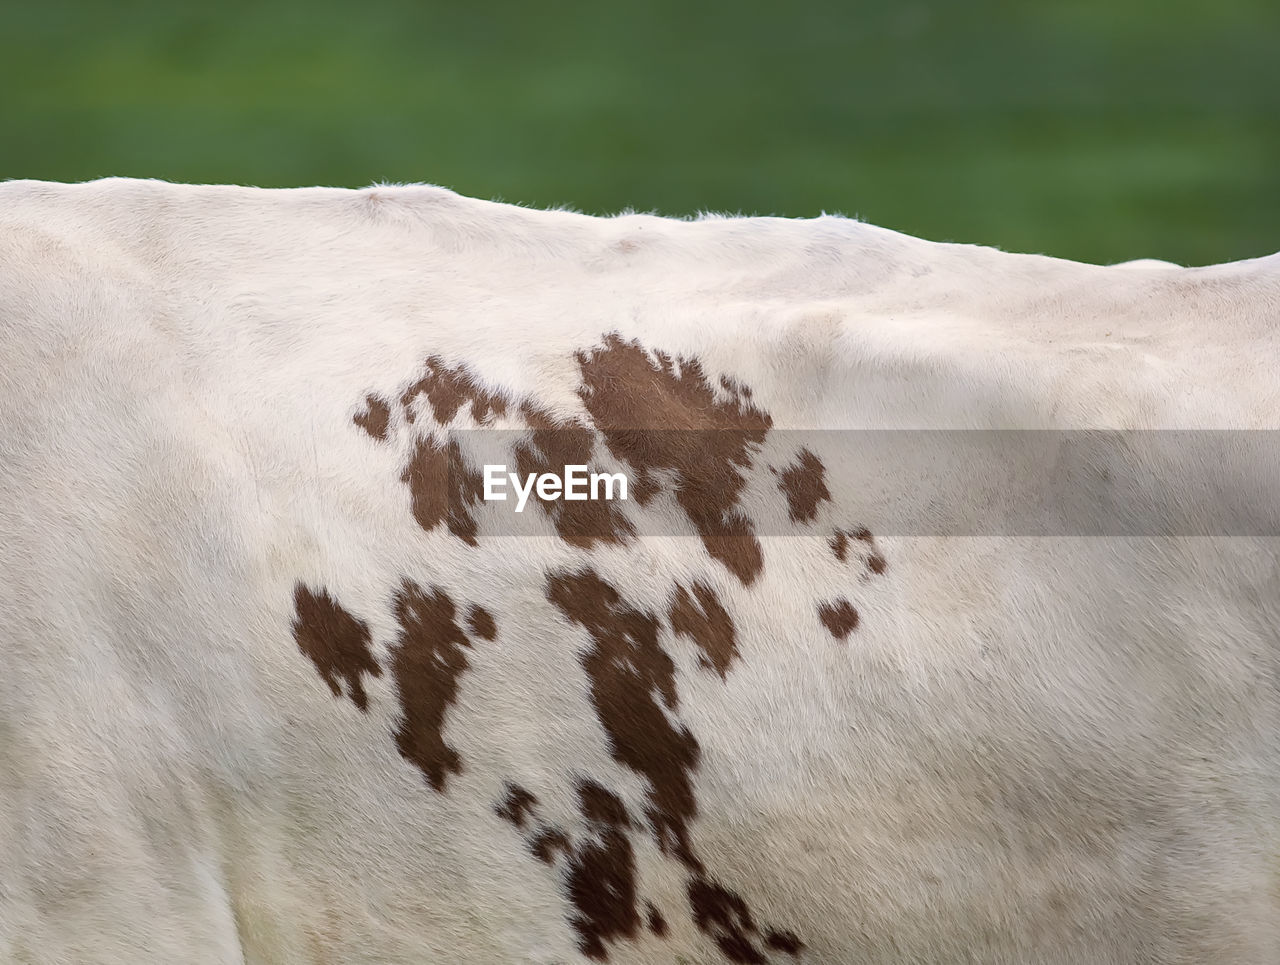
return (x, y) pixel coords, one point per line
(1099, 129)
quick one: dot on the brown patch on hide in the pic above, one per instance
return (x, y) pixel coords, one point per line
(516, 805)
(602, 874)
(657, 924)
(671, 429)
(632, 680)
(443, 487)
(839, 617)
(481, 623)
(632, 683)
(335, 641)
(599, 871)
(708, 624)
(375, 418)
(805, 486)
(842, 540)
(724, 916)
(546, 843)
(840, 545)
(657, 415)
(426, 662)
(643, 488)
(448, 390)
(553, 444)
(784, 941)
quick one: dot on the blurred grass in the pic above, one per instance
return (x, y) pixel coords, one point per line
(1092, 129)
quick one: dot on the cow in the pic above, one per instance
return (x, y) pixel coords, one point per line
(938, 623)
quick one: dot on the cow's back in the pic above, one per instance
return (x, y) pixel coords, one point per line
(280, 684)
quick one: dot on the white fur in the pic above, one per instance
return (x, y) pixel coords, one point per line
(1146, 263)
(1033, 750)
